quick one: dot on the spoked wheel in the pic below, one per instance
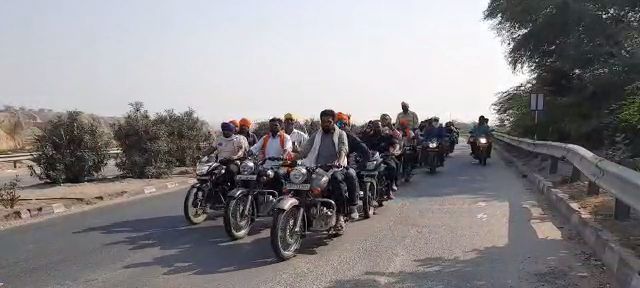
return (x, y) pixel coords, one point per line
(284, 239)
(367, 201)
(195, 206)
(237, 221)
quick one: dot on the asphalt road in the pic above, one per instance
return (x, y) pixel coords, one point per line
(468, 226)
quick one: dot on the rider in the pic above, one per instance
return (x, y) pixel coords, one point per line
(356, 146)
(276, 144)
(329, 146)
(230, 147)
(387, 126)
(408, 115)
(385, 143)
(297, 137)
(452, 131)
(481, 129)
(245, 130)
(434, 131)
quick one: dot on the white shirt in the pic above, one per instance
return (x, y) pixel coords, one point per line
(230, 147)
(273, 148)
(298, 137)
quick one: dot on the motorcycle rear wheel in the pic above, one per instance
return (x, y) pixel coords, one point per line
(235, 227)
(284, 240)
(198, 213)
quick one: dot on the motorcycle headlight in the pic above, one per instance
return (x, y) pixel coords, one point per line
(298, 175)
(483, 140)
(247, 167)
(433, 144)
(202, 169)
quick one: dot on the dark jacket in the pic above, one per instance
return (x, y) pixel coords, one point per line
(357, 146)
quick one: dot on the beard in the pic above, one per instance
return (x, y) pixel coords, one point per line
(327, 129)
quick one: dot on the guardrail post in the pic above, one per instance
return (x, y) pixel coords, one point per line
(553, 167)
(592, 188)
(621, 211)
(575, 175)
(15, 164)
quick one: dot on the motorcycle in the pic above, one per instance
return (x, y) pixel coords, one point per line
(482, 153)
(453, 140)
(409, 156)
(374, 185)
(209, 192)
(306, 207)
(251, 199)
(431, 149)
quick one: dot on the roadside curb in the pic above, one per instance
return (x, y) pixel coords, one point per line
(621, 261)
(56, 208)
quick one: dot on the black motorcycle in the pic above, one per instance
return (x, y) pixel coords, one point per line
(211, 189)
(254, 197)
(374, 185)
(431, 154)
(483, 144)
(409, 157)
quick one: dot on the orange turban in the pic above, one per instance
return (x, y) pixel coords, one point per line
(343, 117)
(234, 123)
(245, 122)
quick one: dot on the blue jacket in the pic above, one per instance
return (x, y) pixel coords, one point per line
(433, 132)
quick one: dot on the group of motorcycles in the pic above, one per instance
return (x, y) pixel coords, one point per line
(297, 197)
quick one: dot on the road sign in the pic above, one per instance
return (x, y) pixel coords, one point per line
(537, 102)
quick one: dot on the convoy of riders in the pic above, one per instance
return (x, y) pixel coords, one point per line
(317, 182)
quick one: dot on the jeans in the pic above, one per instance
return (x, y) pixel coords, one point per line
(391, 169)
(339, 190)
(353, 187)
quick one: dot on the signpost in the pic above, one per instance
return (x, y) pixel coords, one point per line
(537, 105)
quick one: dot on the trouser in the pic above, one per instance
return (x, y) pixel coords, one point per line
(353, 188)
(339, 190)
(391, 169)
(277, 183)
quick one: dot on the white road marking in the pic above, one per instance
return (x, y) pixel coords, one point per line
(482, 216)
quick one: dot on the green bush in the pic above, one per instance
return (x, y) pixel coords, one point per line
(145, 145)
(9, 195)
(185, 135)
(71, 148)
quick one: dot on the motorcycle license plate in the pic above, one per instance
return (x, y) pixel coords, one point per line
(291, 186)
(246, 177)
(483, 144)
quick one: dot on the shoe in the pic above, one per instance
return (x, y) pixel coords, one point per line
(394, 187)
(339, 227)
(353, 213)
(391, 196)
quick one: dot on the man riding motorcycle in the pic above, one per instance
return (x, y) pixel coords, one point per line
(276, 144)
(408, 115)
(434, 131)
(245, 130)
(358, 147)
(230, 147)
(408, 142)
(388, 145)
(481, 129)
(297, 137)
(329, 146)
(453, 133)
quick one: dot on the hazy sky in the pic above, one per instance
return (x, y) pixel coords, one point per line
(228, 59)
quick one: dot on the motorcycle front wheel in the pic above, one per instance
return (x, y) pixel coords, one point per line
(195, 206)
(237, 222)
(367, 201)
(284, 239)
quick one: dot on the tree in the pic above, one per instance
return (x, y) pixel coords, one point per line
(144, 143)
(185, 134)
(581, 55)
(71, 148)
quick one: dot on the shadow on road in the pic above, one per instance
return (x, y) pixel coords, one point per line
(200, 250)
(536, 253)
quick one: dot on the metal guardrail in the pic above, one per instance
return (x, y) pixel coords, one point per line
(621, 181)
(28, 156)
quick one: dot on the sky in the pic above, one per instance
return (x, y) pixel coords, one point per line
(256, 59)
